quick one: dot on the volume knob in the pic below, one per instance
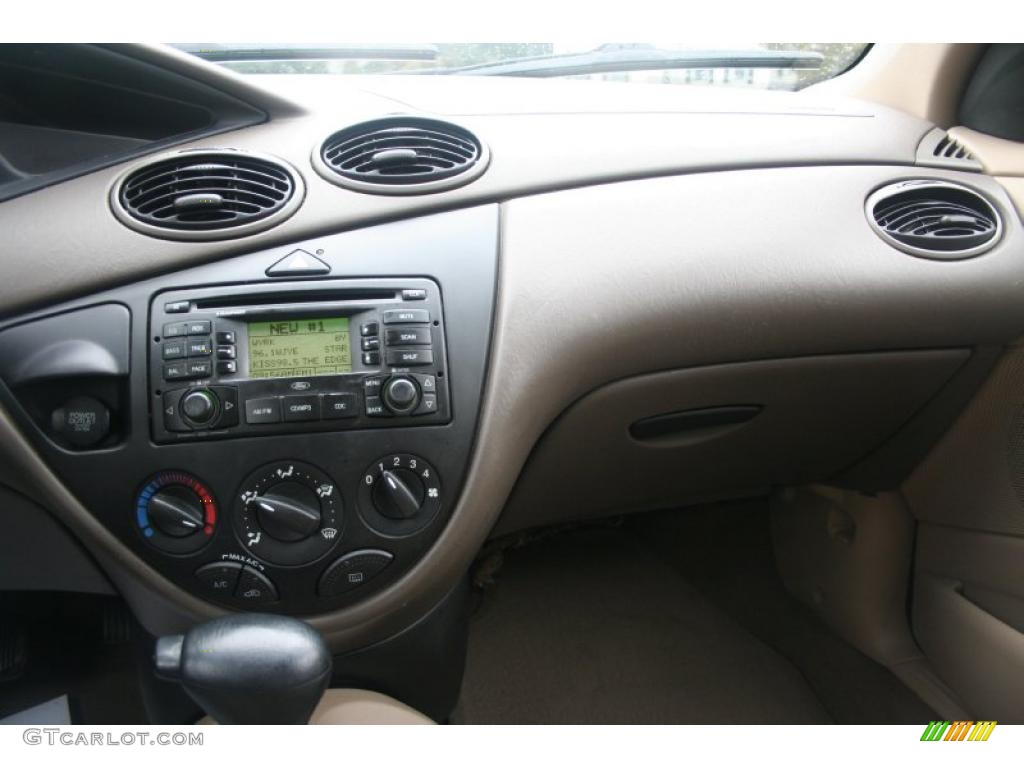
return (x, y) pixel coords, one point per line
(199, 406)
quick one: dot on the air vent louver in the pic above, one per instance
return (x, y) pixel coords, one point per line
(207, 195)
(402, 155)
(935, 219)
(943, 150)
(950, 148)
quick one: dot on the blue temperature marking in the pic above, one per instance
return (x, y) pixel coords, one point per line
(141, 511)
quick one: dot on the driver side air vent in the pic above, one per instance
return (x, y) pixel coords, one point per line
(934, 219)
(206, 194)
(402, 156)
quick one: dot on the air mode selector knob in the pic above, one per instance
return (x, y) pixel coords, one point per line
(401, 394)
(288, 511)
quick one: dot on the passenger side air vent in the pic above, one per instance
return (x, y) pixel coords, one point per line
(934, 219)
(207, 195)
(950, 148)
(402, 156)
(941, 150)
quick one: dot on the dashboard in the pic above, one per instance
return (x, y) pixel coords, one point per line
(323, 404)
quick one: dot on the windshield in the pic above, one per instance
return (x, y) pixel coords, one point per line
(779, 66)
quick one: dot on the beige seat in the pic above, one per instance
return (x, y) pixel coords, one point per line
(353, 706)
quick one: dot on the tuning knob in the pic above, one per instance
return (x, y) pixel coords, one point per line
(398, 494)
(176, 511)
(401, 395)
(288, 511)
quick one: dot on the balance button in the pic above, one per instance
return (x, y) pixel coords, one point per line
(173, 350)
(199, 328)
(410, 357)
(408, 336)
(226, 352)
(219, 579)
(175, 329)
(414, 294)
(341, 406)
(254, 587)
(352, 571)
(264, 410)
(174, 371)
(370, 344)
(199, 369)
(301, 407)
(399, 316)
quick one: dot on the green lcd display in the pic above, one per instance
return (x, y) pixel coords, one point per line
(307, 347)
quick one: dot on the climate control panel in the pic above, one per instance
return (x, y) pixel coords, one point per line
(289, 528)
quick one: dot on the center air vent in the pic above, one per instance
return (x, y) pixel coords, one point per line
(401, 156)
(206, 195)
(934, 219)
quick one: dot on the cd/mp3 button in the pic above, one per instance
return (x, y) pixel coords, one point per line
(301, 407)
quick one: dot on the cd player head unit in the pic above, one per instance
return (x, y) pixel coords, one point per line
(244, 360)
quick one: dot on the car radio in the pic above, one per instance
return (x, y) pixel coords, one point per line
(305, 356)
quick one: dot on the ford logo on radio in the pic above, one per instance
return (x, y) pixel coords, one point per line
(300, 385)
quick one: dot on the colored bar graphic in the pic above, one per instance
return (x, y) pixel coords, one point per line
(958, 730)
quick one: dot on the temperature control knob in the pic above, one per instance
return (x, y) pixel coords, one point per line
(176, 513)
(400, 494)
(288, 513)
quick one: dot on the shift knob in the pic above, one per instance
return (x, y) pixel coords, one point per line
(249, 669)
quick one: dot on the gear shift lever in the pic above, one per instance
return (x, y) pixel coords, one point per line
(249, 669)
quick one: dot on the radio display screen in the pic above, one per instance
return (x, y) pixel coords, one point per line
(306, 347)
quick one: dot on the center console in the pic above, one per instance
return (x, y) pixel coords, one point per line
(283, 431)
